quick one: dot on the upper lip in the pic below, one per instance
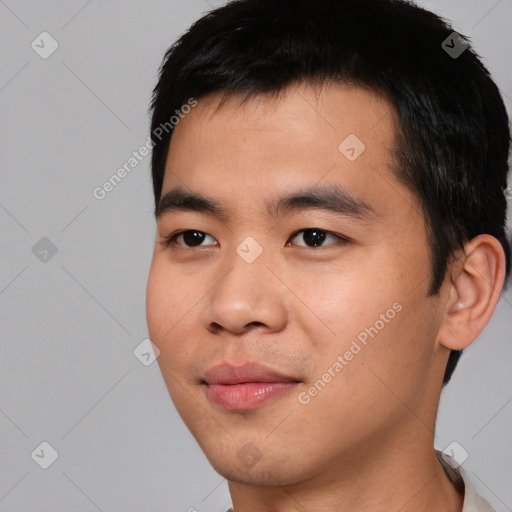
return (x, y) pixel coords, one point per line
(226, 373)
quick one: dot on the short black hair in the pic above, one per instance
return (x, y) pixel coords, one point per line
(452, 141)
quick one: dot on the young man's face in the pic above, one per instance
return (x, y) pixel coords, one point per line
(339, 314)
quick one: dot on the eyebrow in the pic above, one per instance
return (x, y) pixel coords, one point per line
(331, 198)
(178, 199)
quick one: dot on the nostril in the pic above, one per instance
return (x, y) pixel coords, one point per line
(216, 328)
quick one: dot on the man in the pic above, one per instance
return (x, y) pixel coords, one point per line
(329, 182)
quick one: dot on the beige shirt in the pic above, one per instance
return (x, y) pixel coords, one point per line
(473, 502)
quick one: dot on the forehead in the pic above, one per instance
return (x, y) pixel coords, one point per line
(243, 150)
(310, 109)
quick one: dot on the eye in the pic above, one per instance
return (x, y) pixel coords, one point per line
(315, 237)
(189, 239)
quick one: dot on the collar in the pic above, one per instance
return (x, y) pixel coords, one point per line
(473, 502)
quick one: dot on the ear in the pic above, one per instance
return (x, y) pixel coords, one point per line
(476, 281)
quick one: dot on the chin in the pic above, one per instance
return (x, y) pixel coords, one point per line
(249, 466)
(261, 474)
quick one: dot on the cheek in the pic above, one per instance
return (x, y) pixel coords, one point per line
(342, 301)
(373, 312)
(159, 303)
(170, 303)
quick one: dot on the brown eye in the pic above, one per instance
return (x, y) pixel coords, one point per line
(189, 239)
(315, 237)
(193, 238)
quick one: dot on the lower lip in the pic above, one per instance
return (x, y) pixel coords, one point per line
(246, 396)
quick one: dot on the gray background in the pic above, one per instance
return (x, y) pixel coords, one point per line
(69, 325)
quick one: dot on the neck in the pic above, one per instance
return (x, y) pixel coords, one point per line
(406, 477)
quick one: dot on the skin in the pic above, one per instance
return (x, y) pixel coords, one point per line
(365, 441)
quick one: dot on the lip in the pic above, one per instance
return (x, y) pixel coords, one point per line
(245, 387)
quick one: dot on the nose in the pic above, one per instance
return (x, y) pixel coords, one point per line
(249, 296)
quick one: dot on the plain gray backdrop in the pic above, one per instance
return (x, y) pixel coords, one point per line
(74, 268)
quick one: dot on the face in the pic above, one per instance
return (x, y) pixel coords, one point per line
(291, 304)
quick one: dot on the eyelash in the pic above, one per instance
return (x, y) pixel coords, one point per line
(170, 240)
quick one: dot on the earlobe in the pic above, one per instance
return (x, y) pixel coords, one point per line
(476, 282)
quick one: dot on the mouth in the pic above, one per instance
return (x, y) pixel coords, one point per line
(245, 387)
